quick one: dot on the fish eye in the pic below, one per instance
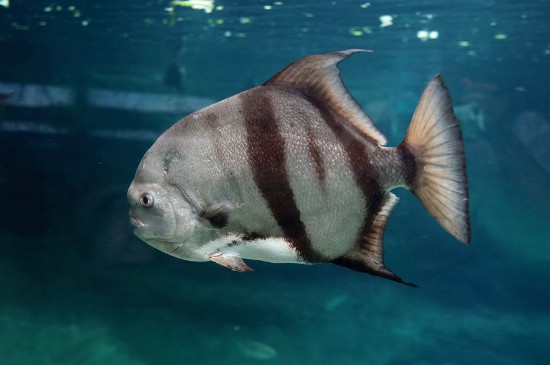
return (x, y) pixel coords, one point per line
(146, 200)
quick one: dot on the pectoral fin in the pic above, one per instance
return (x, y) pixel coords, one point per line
(232, 262)
(217, 213)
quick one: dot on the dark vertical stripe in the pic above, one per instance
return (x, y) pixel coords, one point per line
(408, 164)
(365, 176)
(267, 156)
(316, 156)
(355, 146)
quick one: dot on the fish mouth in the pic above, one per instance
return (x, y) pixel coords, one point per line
(136, 222)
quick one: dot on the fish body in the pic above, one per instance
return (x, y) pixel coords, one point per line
(294, 171)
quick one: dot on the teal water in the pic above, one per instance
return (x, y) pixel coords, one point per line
(85, 89)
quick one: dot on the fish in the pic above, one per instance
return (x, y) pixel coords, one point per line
(256, 350)
(172, 76)
(334, 303)
(294, 171)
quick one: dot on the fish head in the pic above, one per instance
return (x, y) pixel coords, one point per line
(161, 214)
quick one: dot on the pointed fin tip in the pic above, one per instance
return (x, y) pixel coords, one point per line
(346, 53)
(369, 267)
(349, 52)
(407, 283)
(385, 273)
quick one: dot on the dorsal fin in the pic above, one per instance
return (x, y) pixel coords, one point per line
(319, 75)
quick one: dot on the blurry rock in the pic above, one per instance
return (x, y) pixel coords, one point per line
(533, 132)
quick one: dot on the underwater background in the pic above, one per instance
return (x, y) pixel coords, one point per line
(87, 86)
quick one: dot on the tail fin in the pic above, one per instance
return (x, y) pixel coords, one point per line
(435, 140)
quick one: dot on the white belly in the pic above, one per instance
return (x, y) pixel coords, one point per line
(275, 250)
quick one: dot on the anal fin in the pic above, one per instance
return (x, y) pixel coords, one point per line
(368, 257)
(232, 262)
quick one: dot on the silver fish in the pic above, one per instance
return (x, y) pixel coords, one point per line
(294, 171)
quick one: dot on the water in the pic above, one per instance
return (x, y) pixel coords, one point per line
(84, 91)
